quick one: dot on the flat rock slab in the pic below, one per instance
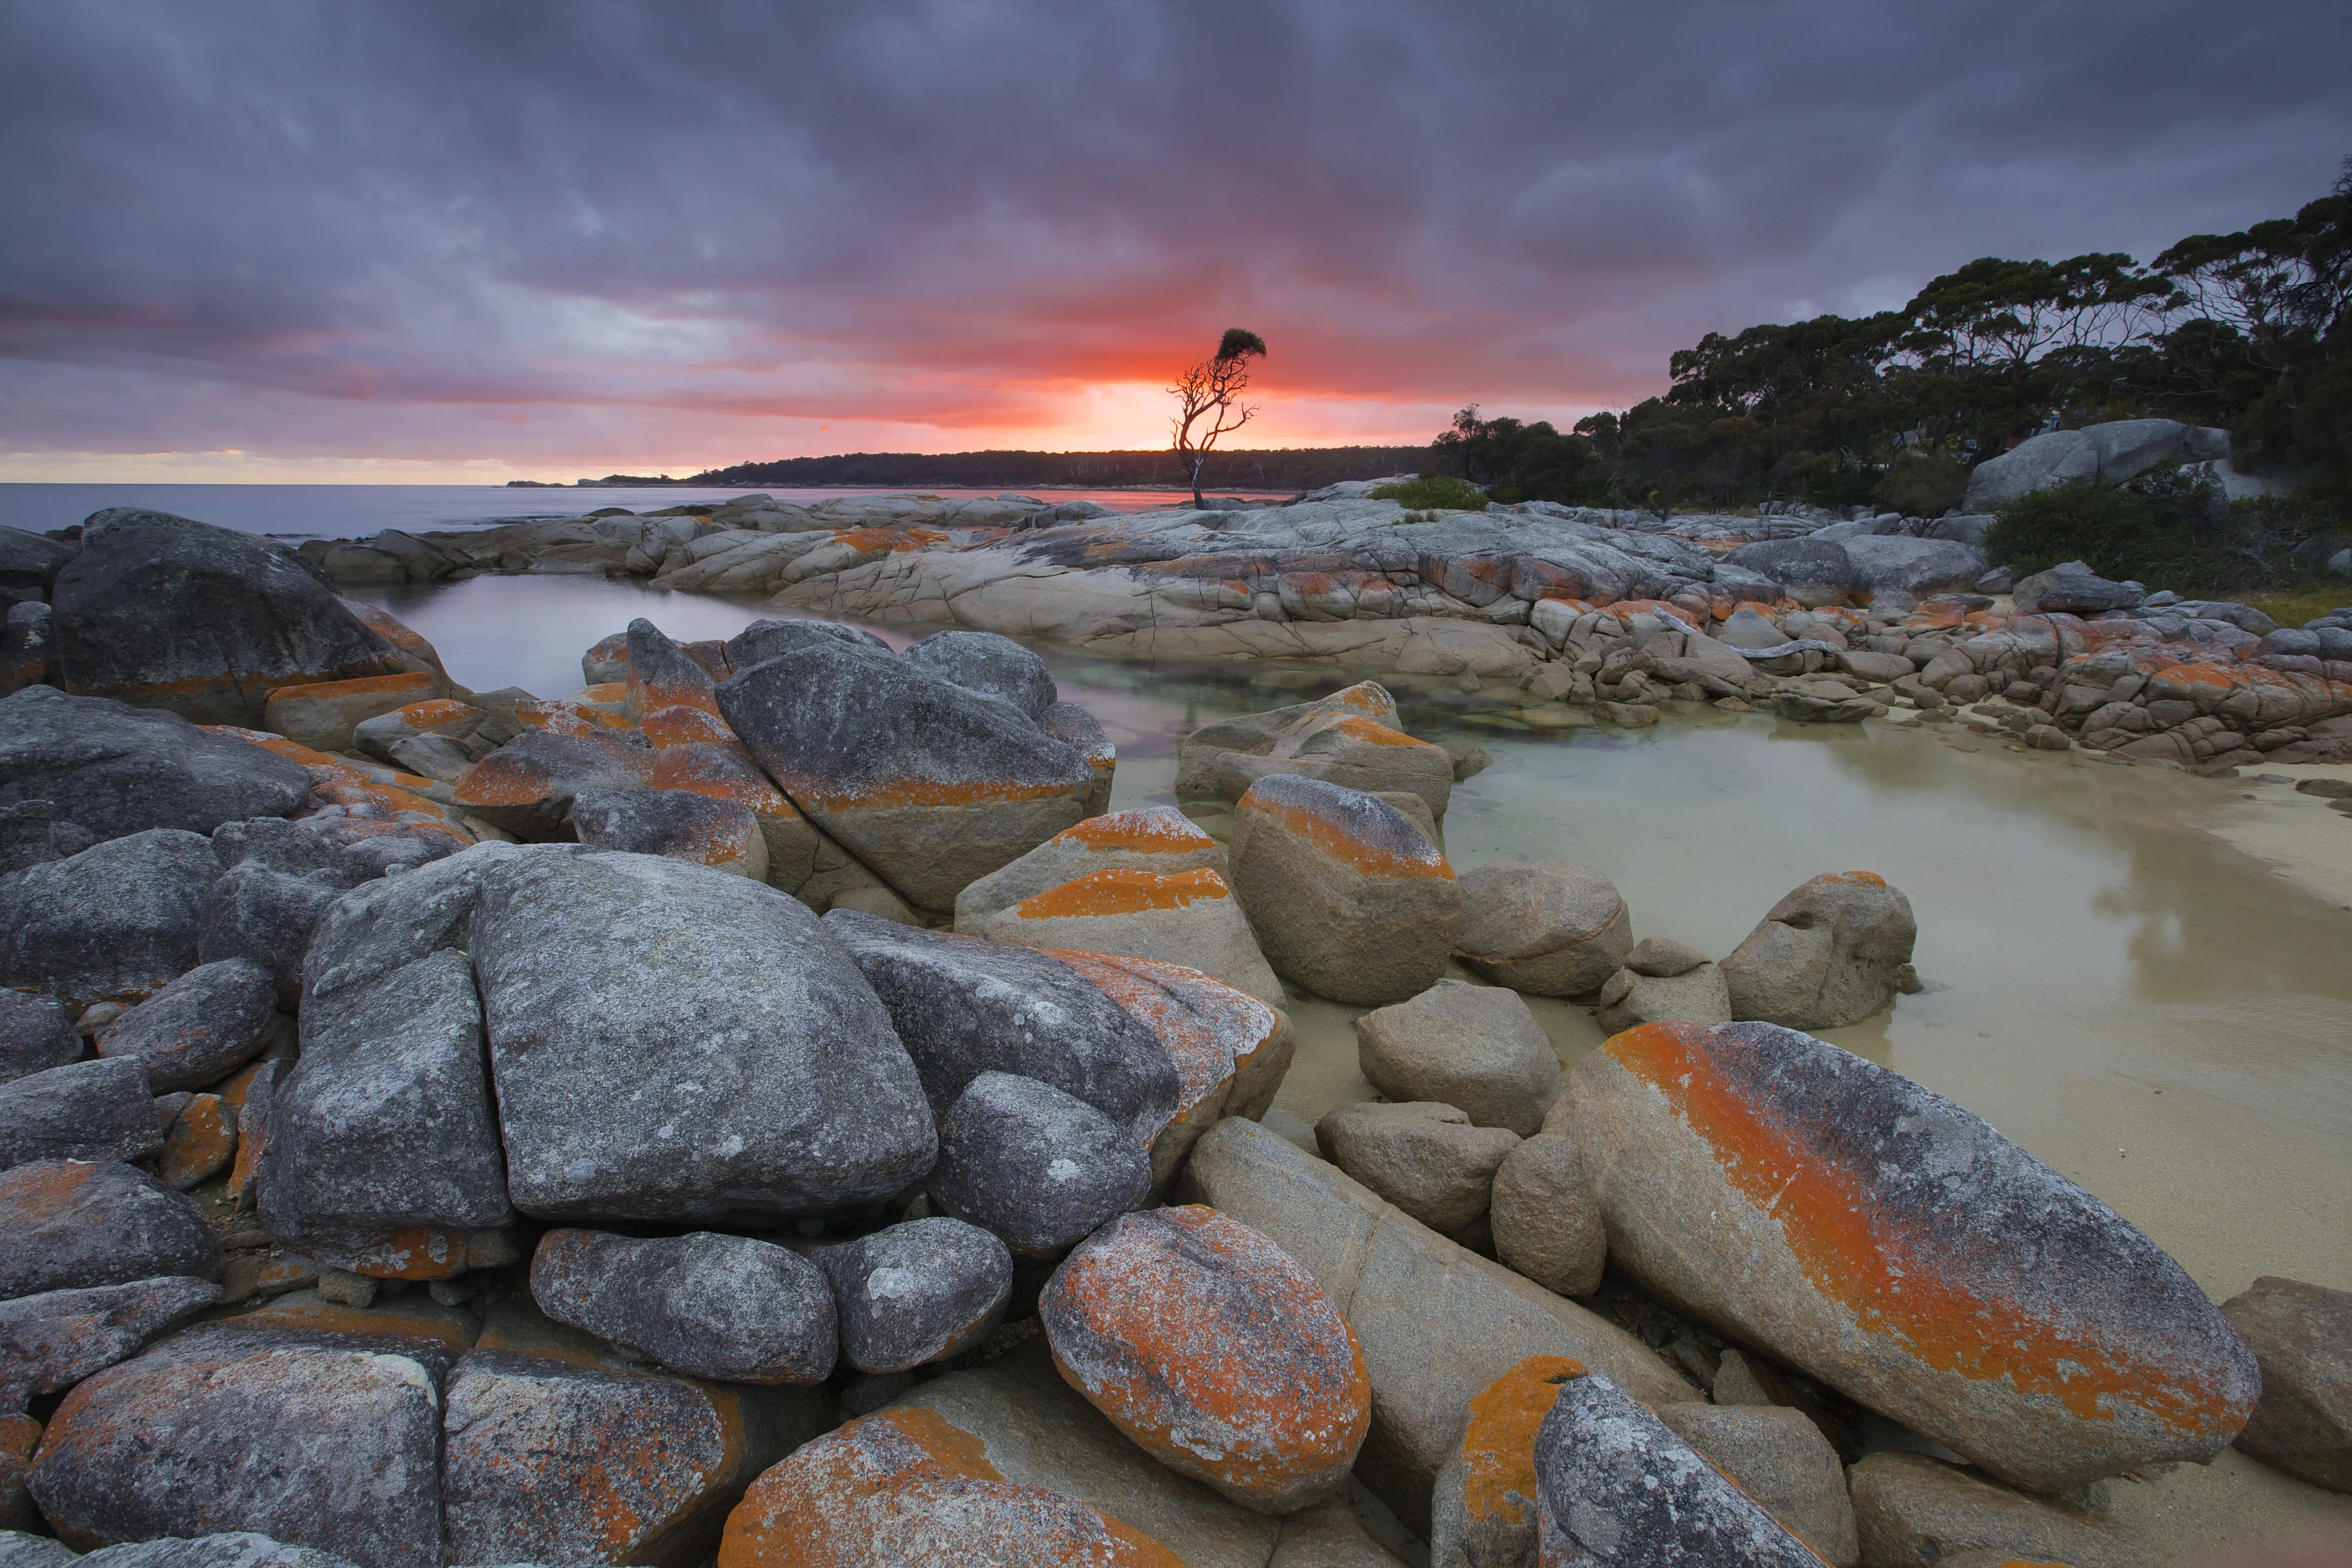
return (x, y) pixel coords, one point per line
(231, 1548)
(68, 1224)
(115, 924)
(50, 1342)
(1896, 1248)
(226, 1427)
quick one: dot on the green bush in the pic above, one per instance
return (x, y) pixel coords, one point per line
(1442, 493)
(1922, 484)
(2166, 530)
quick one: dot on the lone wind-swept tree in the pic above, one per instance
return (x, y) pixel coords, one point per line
(1212, 390)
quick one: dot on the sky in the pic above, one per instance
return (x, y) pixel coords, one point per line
(483, 239)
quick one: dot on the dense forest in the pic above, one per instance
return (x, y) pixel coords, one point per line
(1299, 468)
(2250, 330)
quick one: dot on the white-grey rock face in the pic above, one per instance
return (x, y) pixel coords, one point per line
(2110, 453)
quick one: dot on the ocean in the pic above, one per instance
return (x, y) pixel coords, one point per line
(356, 512)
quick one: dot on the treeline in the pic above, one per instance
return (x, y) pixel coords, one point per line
(2250, 330)
(1287, 468)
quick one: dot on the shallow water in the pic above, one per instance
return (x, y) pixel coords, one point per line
(2160, 1016)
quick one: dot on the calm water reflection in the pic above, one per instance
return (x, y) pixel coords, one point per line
(2150, 1011)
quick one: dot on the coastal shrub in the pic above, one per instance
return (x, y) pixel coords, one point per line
(1440, 493)
(2168, 530)
(1922, 484)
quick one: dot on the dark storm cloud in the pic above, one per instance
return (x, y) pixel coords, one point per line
(235, 223)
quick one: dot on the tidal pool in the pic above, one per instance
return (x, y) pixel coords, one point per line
(2164, 1019)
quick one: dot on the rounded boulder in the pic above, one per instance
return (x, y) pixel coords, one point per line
(1548, 928)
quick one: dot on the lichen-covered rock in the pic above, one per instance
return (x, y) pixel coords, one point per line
(661, 674)
(1545, 1220)
(1190, 918)
(708, 1305)
(35, 1034)
(1344, 893)
(230, 1549)
(1827, 955)
(917, 1292)
(1896, 1248)
(1699, 994)
(553, 1457)
(1475, 1047)
(205, 621)
(1160, 839)
(1613, 1482)
(1084, 734)
(83, 1110)
(1231, 1050)
(765, 639)
(1548, 928)
(199, 1029)
(1216, 1352)
(1039, 1167)
(724, 834)
(1425, 1158)
(115, 924)
(1483, 1509)
(383, 1131)
(1777, 1456)
(1351, 738)
(963, 1007)
(123, 770)
(67, 1225)
(903, 1489)
(669, 1042)
(229, 1427)
(990, 665)
(2302, 1338)
(526, 787)
(930, 784)
(1912, 1511)
(200, 1142)
(327, 714)
(50, 1342)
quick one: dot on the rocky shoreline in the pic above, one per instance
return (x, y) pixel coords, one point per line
(764, 1108)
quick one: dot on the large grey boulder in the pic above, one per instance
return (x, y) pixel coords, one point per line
(169, 613)
(1800, 1199)
(917, 1292)
(83, 1110)
(50, 1342)
(116, 922)
(766, 639)
(227, 1428)
(709, 1305)
(1811, 572)
(990, 665)
(673, 1043)
(962, 1006)
(19, 1550)
(386, 1122)
(70, 1224)
(2302, 1338)
(1476, 1047)
(2073, 588)
(2057, 457)
(1613, 1482)
(117, 769)
(266, 918)
(1898, 563)
(927, 783)
(230, 1549)
(35, 1034)
(1040, 1168)
(29, 564)
(1831, 953)
(199, 1029)
(275, 844)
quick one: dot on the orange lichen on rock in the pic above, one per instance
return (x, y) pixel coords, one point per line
(436, 711)
(203, 1139)
(719, 771)
(365, 685)
(1122, 891)
(683, 724)
(1339, 840)
(397, 1318)
(1854, 878)
(565, 716)
(1204, 1048)
(1138, 833)
(1901, 1274)
(1371, 731)
(412, 1252)
(905, 1488)
(826, 795)
(1218, 1355)
(1498, 1447)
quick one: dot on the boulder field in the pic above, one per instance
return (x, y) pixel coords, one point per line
(488, 1127)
